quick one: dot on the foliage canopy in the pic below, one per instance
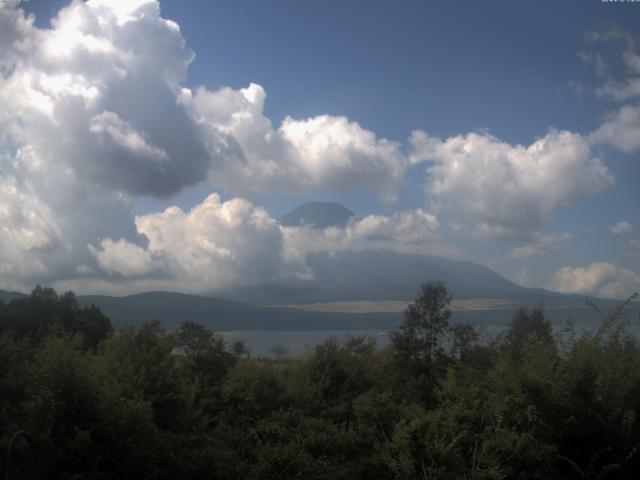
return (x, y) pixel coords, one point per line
(89, 402)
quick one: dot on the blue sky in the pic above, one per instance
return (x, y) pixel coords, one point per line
(511, 71)
(398, 66)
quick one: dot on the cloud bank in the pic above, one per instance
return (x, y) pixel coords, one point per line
(253, 157)
(94, 113)
(219, 244)
(506, 190)
(601, 279)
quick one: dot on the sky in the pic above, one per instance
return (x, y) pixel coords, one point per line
(148, 145)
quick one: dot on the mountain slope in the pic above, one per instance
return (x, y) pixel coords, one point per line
(373, 274)
(317, 214)
(381, 275)
(174, 308)
(6, 297)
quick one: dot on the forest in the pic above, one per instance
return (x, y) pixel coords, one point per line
(79, 400)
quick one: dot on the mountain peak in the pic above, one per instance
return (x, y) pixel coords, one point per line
(317, 214)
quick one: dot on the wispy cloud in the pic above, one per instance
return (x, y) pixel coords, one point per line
(621, 228)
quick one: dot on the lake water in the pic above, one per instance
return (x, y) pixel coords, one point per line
(296, 343)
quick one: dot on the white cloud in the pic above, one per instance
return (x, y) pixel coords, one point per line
(414, 231)
(540, 244)
(123, 258)
(629, 87)
(216, 243)
(93, 113)
(125, 137)
(508, 190)
(123, 10)
(621, 91)
(524, 251)
(101, 93)
(98, 95)
(323, 151)
(601, 279)
(49, 217)
(336, 151)
(621, 228)
(621, 129)
(220, 244)
(28, 233)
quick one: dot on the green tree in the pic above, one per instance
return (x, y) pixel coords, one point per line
(463, 339)
(45, 312)
(417, 344)
(527, 327)
(425, 321)
(194, 338)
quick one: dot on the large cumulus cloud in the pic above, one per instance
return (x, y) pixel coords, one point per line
(97, 92)
(218, 244)
(602, 279)
(101, 91)
(95, 112)
(28, 233)
(498, 189)
(416, 231)
(322, 151)
(506, 190)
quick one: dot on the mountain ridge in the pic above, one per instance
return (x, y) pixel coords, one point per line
(173, 308)
(378, 275)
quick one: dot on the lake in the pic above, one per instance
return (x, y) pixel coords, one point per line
(296, 343)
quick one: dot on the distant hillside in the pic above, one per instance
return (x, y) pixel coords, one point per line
(6, 297)
(317, 214)
(386, 275)
(174, 308)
